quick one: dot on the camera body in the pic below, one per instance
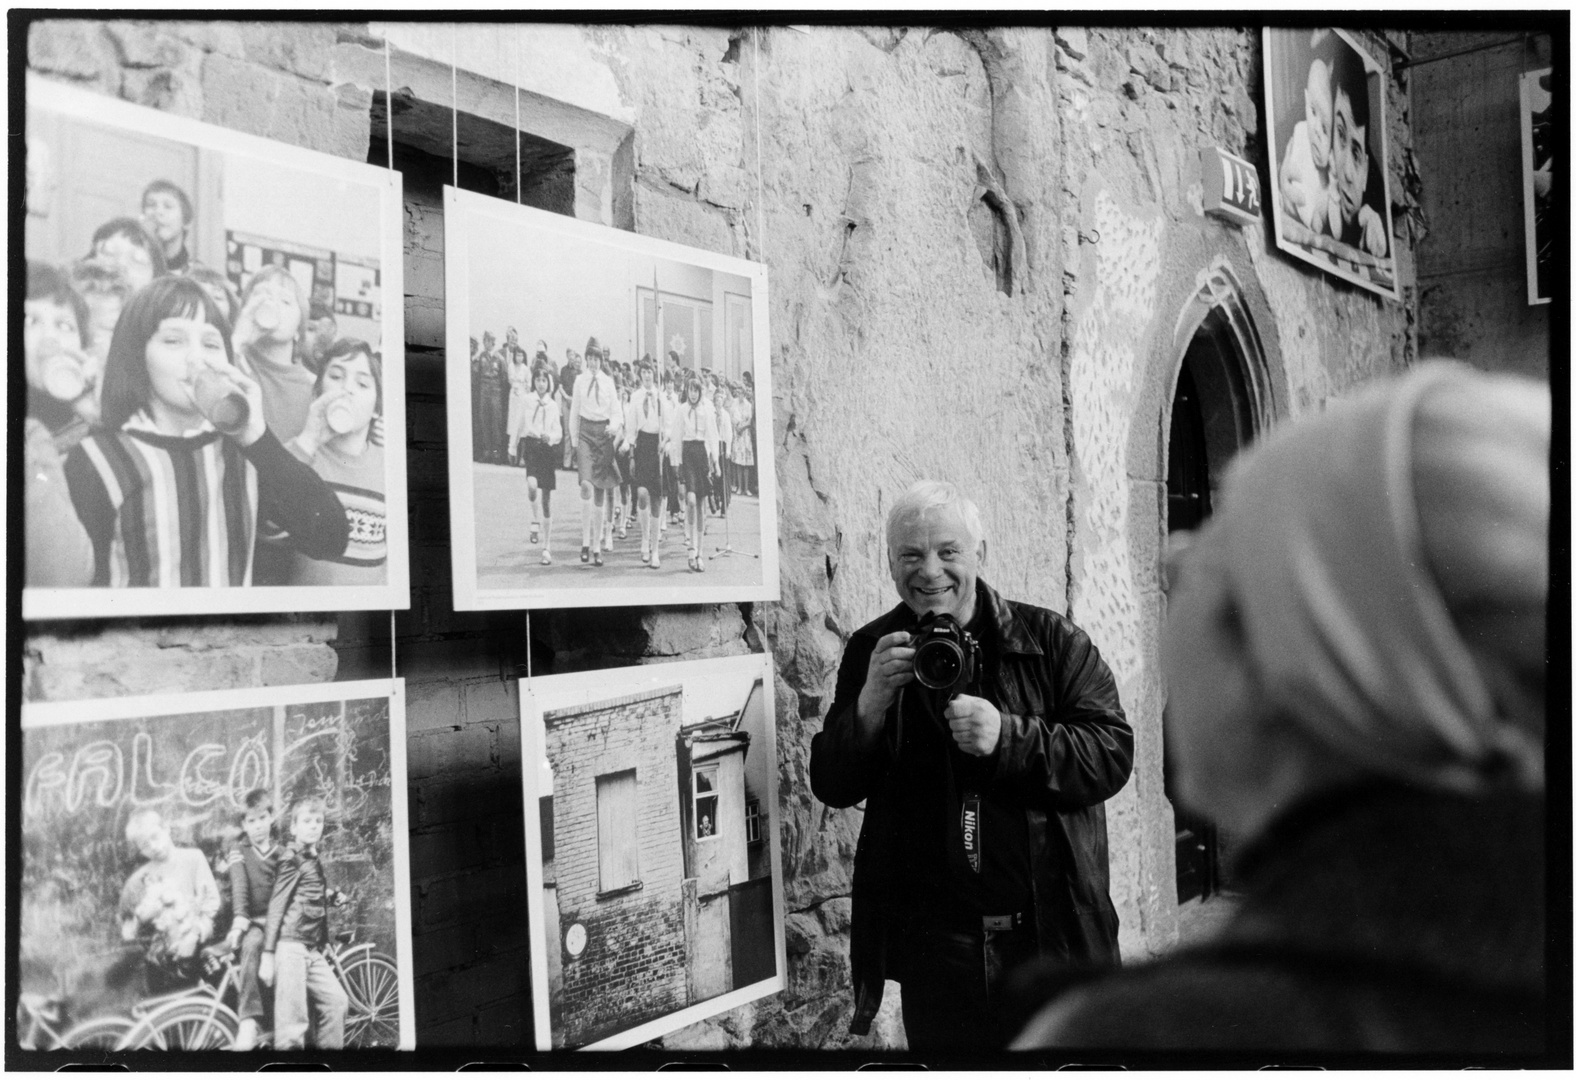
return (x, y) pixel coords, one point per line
(946, 656)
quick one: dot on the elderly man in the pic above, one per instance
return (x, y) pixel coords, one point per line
(984, 843)
(1356, 213)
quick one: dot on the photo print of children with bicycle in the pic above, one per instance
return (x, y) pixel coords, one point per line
(216, 871)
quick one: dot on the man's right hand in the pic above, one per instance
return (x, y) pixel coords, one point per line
(891, 667)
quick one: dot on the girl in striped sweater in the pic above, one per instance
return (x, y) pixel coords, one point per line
(166, 497)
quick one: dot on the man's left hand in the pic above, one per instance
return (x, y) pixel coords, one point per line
(1374, 239)
(975, 724)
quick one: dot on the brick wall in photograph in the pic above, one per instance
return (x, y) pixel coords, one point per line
(632, 967)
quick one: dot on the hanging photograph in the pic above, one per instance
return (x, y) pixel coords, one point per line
(213, 343)
(651, 832)
(1537, 179)
(609, 415)
(1325, 104)
(216, 871)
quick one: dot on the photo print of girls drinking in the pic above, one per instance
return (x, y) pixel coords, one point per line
(209, 427)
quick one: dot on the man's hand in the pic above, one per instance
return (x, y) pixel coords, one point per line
(265, 969)
(975, 724)
(891, 666)
(1374, 240)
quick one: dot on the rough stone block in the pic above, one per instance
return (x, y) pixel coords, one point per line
(466, 748)
(431, 704)
(491, 700)
(73, 48)
(145, 45)
(505, 1023)
(301, 48)
(459, 1031)
(682, 220)
(297, 665)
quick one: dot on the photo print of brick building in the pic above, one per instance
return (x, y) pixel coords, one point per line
(657, 850)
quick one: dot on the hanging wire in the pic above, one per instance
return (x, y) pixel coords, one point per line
(388, 99)
(388, 106)
(454, 95)
(514, 77)
(760, 180)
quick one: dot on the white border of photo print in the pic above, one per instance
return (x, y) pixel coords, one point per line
(559, 282)
(1287, 58)
(1534, 100)
(345, 206)
(183, 756)
(650, 820)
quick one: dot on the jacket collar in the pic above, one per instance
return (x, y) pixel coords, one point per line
(1012, 636)
(1426, 880)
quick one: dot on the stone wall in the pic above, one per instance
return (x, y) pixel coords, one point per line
(981, 246)
(1472, 271)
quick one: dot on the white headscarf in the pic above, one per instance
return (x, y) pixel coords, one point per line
(1345, 620)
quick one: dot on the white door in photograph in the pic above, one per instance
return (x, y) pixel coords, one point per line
(99, 174)
(682, 325)
(739, 336)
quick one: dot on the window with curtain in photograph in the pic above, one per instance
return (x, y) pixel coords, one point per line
(705, 802)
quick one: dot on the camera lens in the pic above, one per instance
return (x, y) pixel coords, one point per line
(938, 663)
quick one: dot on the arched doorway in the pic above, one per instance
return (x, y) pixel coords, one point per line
(1220, 404)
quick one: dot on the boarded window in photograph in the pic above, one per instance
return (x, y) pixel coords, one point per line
(705, 802)
(615, 830)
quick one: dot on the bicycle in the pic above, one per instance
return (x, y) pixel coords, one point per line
(39, 1018)
(200, 1019)
(371, 981)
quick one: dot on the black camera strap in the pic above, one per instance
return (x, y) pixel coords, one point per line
(973, 820)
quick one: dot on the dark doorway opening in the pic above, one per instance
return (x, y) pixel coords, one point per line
(1212, 419)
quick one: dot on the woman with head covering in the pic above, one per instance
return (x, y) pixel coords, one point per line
(1355, 660)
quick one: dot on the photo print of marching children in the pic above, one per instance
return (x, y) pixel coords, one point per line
(1537, 179)
(651, 848)
(609, 415)
(216, 871)
(215, 384)
(1325, 103)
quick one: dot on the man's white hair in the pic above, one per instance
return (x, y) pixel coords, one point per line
(922, 497)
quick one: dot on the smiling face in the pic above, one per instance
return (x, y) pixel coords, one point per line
(353, 374)
(543, 382)
(1316, 102)
(935, 563)
(307, 825)
(180, 348)
(132, 258)
(1348, 158)
(258, 826)
(47, 328)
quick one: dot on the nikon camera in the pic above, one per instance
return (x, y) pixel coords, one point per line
(945, 654)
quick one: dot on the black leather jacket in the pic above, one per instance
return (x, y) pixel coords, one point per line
(1065, 748)
(298, 910)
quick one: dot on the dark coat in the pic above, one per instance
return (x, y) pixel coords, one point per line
(1375, 920)
(1065, 748)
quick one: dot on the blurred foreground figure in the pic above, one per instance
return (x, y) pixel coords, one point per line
(1355, 659)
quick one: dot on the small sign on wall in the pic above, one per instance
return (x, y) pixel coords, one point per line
(1231, 186)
